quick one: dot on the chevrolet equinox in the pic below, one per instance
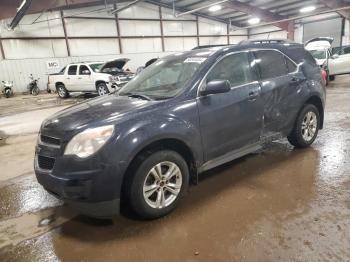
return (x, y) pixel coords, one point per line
(184, 114)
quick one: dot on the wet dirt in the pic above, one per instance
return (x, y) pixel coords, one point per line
(280, 204)
(25, 103)
(17, 156)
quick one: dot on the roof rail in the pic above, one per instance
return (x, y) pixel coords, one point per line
(266, 41)
(207, 46)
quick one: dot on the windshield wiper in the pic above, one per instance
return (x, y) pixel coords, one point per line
(134, 95)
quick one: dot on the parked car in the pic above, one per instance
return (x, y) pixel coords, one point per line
(90, 77)
(321, 49)
(182, 115)
(116, 69)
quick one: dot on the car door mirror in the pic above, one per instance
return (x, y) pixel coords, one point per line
(216, 87)
(86, 72)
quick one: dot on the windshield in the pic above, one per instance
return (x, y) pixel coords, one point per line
(112, 70)
(318, 54)
(96, 67)
(164, 79)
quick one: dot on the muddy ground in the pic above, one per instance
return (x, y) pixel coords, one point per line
(280, 204)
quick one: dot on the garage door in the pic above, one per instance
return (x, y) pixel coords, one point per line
(332, 28)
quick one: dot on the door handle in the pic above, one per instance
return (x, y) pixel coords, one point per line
(297, 79)
(79, 78)
(252, 95)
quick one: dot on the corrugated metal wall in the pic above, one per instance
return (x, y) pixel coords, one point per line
(99, 43)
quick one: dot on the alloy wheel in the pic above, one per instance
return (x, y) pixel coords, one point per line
(102, 90)
(309, 126)
(61, 92)
(162, 185)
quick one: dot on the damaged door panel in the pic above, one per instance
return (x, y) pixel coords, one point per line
(280, 80)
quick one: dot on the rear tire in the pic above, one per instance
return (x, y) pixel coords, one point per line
(331, 78)
(102, 89)
(8, 93)
(35, 91)
(62, 91)
(157, 184)
(306, 127)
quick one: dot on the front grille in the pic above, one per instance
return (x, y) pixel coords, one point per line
(46, 162)
(50, 140)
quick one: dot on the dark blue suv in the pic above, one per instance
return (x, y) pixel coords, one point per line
(184, 114)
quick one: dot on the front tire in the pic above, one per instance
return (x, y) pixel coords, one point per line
(8, 92)
(62, 91)
(35, 91)
(102, 89)
(306, 127)
(158, 184)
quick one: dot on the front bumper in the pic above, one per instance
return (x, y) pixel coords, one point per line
(74, 191)
(91, 186)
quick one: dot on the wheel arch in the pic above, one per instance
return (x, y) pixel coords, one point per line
(173, 144)
(317, 102)
(97, 82)
(59, 83)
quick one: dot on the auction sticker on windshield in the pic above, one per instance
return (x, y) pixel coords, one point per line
(198, 60)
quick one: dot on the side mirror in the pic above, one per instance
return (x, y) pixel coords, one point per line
(86, 72)
(335, 56)
(216, 87)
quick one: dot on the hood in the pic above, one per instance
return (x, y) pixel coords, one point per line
(102, 110)
(117, 63)
(319, 43)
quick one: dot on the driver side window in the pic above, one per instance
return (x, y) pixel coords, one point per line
(84, 70)
(234, 68)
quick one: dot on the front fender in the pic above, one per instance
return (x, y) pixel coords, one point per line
(145, 133)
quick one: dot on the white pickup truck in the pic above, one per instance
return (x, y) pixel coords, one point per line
(90, 77)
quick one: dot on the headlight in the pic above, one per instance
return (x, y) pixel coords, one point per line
(89, 141)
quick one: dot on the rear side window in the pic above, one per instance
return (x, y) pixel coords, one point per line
(271, 64)
(234, 68)
(72, 70)
(290, 65)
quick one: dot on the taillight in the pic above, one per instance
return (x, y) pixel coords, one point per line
(324, 76)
